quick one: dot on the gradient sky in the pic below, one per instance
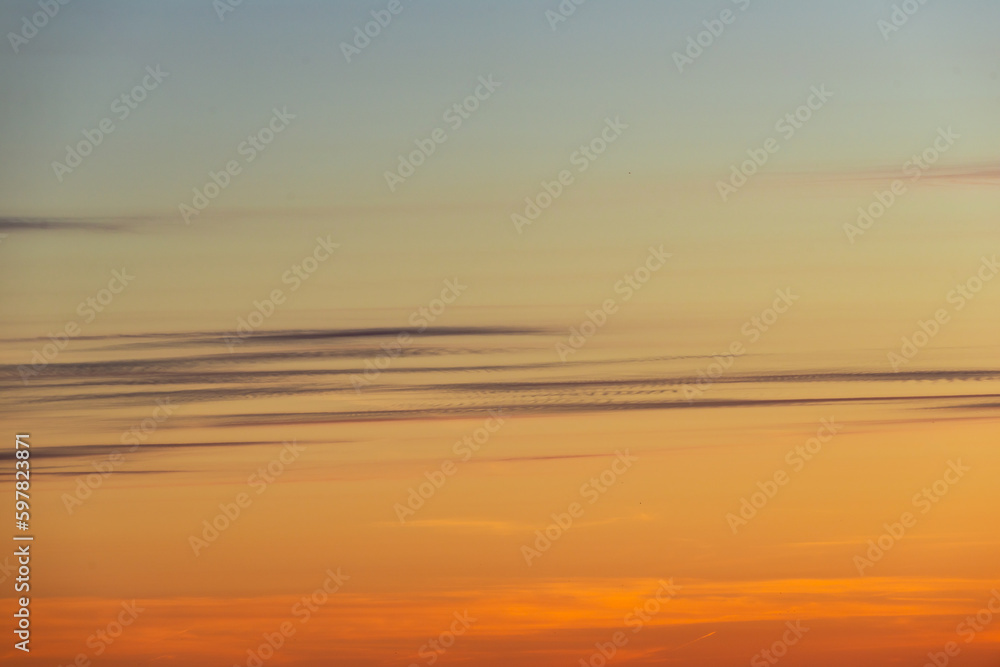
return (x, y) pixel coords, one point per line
(164, 337)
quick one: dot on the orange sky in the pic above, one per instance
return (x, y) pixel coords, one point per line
(615, 327)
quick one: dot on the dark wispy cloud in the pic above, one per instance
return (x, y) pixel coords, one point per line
(292, 336)
(432, 377)
(97, 451)
(37, 224)
(289, 337)
(984, 173)
(529, 409)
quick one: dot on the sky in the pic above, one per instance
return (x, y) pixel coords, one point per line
(703, 289)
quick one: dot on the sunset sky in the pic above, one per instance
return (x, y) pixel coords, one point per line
(504, 336)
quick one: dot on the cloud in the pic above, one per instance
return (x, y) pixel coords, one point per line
(98, 451)
(443, 389)
(526, 409)
(984, 173)
(40, 224)
(432, 378)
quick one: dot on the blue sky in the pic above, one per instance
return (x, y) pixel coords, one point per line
(354, 119)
